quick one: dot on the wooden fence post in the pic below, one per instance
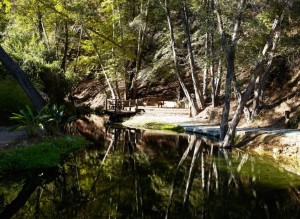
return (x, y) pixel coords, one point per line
(129, 103)
(136, 105)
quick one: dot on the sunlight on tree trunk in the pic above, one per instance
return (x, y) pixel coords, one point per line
(194, 107)
(199, 98)
(230, 134)
(230, 49)
(113, 94)
(262, 79)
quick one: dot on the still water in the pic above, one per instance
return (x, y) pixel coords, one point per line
(131, 173)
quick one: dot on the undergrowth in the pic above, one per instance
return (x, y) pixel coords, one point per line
(43, 155)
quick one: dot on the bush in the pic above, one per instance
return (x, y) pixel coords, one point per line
(12, 99)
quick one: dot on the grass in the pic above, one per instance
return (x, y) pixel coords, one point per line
(47, 154)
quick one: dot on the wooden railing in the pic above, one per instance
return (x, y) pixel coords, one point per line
(118, 105)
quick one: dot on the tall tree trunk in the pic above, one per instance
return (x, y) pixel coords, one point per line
(238, 96)
(78, 50)
(140, 46)
(230, 58)
(56, 33)
(229, 47)
(194, 108)
(262, 79)
(219, 78)
(205, 70)
(199, 98)
(113, 93)
(125, 62)
(40, 27)
(42, 31)
(35, 97)
(229, 138)
(212, 59)
(66, 47)
(212, 72)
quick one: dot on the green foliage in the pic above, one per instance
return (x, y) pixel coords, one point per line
(49, 119)
(58, 42)
(39, 156)
(12, 99)
(55, 118)
(30, 121)
(266, 18)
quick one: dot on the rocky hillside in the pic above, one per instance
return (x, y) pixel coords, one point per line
(282, 94)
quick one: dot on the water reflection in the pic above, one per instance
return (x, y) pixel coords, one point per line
(142, 174)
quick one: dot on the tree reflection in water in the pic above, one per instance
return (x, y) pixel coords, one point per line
(142, 174)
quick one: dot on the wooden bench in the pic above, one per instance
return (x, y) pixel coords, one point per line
(151, 101)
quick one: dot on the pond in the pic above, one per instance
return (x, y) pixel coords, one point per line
(131, 173)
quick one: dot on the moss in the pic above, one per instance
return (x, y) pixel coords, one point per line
(46, 154)
(164, 126)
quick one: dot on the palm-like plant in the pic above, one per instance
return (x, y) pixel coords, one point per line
(49, 118)
(54, 117)
(30, 121)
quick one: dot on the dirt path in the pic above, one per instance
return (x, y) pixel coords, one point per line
(201, 125)
(8, 137)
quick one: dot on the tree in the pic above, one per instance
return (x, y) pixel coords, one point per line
(273, 36)
(142, 19)
(194, 107)
(37, 100)
(229, 47)
(199, 96)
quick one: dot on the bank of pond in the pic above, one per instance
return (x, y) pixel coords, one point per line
(132, 173)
